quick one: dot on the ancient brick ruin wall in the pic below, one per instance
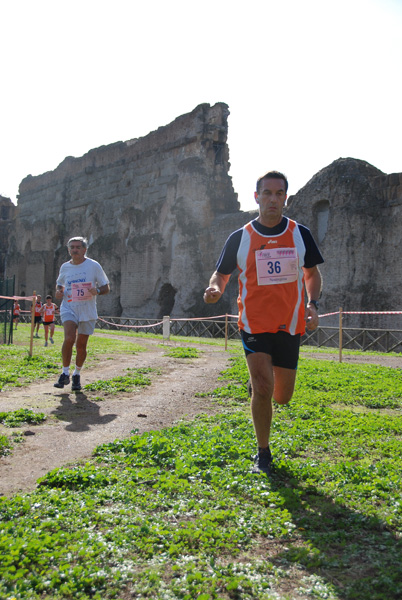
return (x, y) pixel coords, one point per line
(157, 211)
(7, 215)
(148, 207)
(355, 213)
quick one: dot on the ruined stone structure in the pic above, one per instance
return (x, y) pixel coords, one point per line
(355, 213)
(158, 209)
(155, 210)
(7, 215)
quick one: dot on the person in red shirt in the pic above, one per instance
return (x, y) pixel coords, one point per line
(38, 318)
(48, 311)
(277, 261)
(16, 313)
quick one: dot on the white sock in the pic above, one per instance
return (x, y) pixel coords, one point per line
(66, 370)
(77, 370)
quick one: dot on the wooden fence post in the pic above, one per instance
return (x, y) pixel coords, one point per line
(340, 335)
(166, 327)
(226, 331)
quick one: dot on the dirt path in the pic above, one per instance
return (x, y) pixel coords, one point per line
(77, 423)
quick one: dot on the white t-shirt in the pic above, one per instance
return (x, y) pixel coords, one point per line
(76, 280)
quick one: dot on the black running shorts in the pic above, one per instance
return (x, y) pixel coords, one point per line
(281, 346)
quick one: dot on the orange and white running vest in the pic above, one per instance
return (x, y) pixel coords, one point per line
(38, 308)
(48, 313)
(271, 281)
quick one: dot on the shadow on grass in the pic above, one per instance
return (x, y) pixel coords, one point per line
(80, 414)
(358, 554)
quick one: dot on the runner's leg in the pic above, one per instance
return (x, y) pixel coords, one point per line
(262, 382)
(70, 334)
(81, 347)
(284, 384)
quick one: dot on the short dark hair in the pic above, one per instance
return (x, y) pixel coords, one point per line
(272, 175)
(48, 296)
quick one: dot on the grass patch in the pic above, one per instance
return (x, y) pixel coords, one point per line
(371, 386)
(306, 349)
(18, 369)
(181, 352)
(5, 445)
(232, 344)
(177, 513)
(22, 416)
(16, 418)
(122, 383)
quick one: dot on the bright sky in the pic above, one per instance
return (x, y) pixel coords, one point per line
(306, 81)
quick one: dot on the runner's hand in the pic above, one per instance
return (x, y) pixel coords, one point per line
(311, 318)
(212, 295)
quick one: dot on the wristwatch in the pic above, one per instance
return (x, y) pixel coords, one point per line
(98, 291)
(314, 303)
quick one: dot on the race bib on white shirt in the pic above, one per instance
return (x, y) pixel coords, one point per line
(80, 291)
(276, 265)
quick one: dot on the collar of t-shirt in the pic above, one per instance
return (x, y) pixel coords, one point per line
(278, 229)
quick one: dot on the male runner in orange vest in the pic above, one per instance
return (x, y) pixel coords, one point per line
(277, 260)
(38, 318)
(48, 311)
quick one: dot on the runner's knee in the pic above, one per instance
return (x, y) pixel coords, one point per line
(283, 397)
(262, 386)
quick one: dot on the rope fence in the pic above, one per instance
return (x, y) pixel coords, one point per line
(225, 325)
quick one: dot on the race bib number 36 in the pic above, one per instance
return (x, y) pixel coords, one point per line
(276, 265)
(80, 292)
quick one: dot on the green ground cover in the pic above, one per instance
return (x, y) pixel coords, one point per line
(180, 352)
(17, 368)
(121, 383)
(177, 514)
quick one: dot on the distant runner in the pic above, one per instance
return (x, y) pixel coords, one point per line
(80, 280)
(16, 313)
(38, 318)
(47, 312)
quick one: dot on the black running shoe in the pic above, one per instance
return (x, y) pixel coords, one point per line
(249, 388)
(263, 461)
(76, 386)
(63, 380)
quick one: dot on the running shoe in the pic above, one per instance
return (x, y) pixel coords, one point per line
(45, 344)
(263, 461)
(76, 386)
(63, 380)
(249, 388)
(51, 340)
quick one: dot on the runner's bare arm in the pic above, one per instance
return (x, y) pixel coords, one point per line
(216, 287)
(103, 290)
(59, 292)
(313, 283)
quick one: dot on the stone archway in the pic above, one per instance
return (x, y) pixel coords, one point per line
(166, 299)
